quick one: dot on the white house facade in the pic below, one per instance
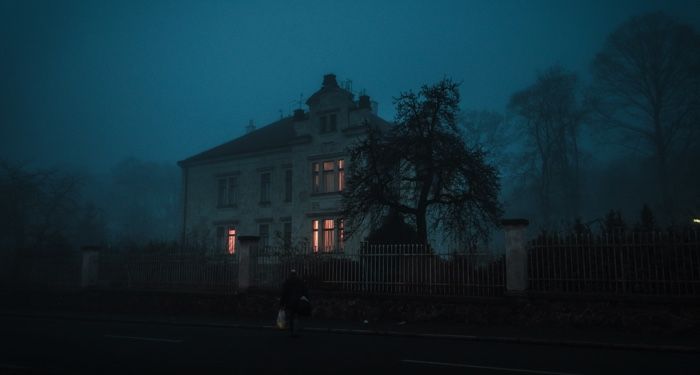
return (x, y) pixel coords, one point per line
(283, 181)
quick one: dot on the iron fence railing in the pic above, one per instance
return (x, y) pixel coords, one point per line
(385, 270)
(659, 263)
(634, 264)
(178, 272)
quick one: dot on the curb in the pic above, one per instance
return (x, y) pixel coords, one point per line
(371, 332)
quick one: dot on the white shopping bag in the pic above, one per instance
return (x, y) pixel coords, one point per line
(281, 320)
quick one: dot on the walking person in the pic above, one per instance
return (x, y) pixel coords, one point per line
(291, 302)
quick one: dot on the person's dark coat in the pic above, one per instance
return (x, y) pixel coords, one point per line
(292, 291)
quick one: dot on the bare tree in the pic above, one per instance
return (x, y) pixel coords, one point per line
(422, 169)
(647, 85)
(551, 113)
(37, 206)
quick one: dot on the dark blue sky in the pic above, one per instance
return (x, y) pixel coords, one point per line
(87, 83)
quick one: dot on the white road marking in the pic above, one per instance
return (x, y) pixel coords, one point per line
(526, 371)
(143, 338)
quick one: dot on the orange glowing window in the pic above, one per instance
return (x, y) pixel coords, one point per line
(231, 241)
(328, 176)
(341, 175)
(314, 225)
(328, 234)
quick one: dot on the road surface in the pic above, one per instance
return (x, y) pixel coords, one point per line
(32, 345)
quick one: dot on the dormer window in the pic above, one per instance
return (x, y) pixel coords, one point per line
(328, 123)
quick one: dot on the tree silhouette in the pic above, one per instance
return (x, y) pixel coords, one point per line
(422, 169)
(647, 84)
(550, 112)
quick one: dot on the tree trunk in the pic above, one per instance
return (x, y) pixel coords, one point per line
(662, 168)
(422, 226)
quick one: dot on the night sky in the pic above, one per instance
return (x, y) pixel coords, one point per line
(86, 84)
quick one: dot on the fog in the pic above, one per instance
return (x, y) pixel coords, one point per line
(112, 94)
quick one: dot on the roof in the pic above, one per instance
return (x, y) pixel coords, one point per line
(276, 135)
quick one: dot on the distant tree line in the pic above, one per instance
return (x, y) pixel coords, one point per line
(45, 211)
(439, 169)
(627, 137)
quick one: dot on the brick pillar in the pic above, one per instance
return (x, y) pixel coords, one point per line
(248, 244)
(90, 268)
(516, 255)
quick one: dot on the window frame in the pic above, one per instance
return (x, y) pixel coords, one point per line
(288, 185)
(265, 188)
(321, 177)
(226, 238)
(227, 191)
(327, 238)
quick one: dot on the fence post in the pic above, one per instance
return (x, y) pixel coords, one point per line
(90, 266)
(244, 251)
(516, 255)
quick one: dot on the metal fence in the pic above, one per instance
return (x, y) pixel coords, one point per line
(392, 270)
(633, 264)
(659, 263)
(176, 272)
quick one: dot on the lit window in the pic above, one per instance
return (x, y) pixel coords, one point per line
(331, 237)
(314, 236)
(341, 175)
(328, 234)
(328, 176)
(231, 241)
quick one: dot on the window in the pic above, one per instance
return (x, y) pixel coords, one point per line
(328, 176)
(328, 234)
(328, 123)
(264, 233)
(226, 238)
(287, 235)
(332, 122)
(330, 237)
(265, 188)
(231, 241)
(288, 185)
(227, 191)
(314, 235)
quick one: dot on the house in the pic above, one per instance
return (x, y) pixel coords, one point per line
(283, 181)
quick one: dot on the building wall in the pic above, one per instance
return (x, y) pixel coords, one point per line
(202, 214)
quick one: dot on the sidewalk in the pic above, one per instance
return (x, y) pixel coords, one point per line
(452, 331)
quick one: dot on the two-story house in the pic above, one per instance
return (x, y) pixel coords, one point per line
(283, 181)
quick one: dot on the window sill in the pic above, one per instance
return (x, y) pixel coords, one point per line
(331, 193)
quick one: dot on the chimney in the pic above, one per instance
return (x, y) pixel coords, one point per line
(250, 127)
(329, 81)
(364, 102)
(298, 114)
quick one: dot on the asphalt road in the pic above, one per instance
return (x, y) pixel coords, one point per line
(30, 345)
